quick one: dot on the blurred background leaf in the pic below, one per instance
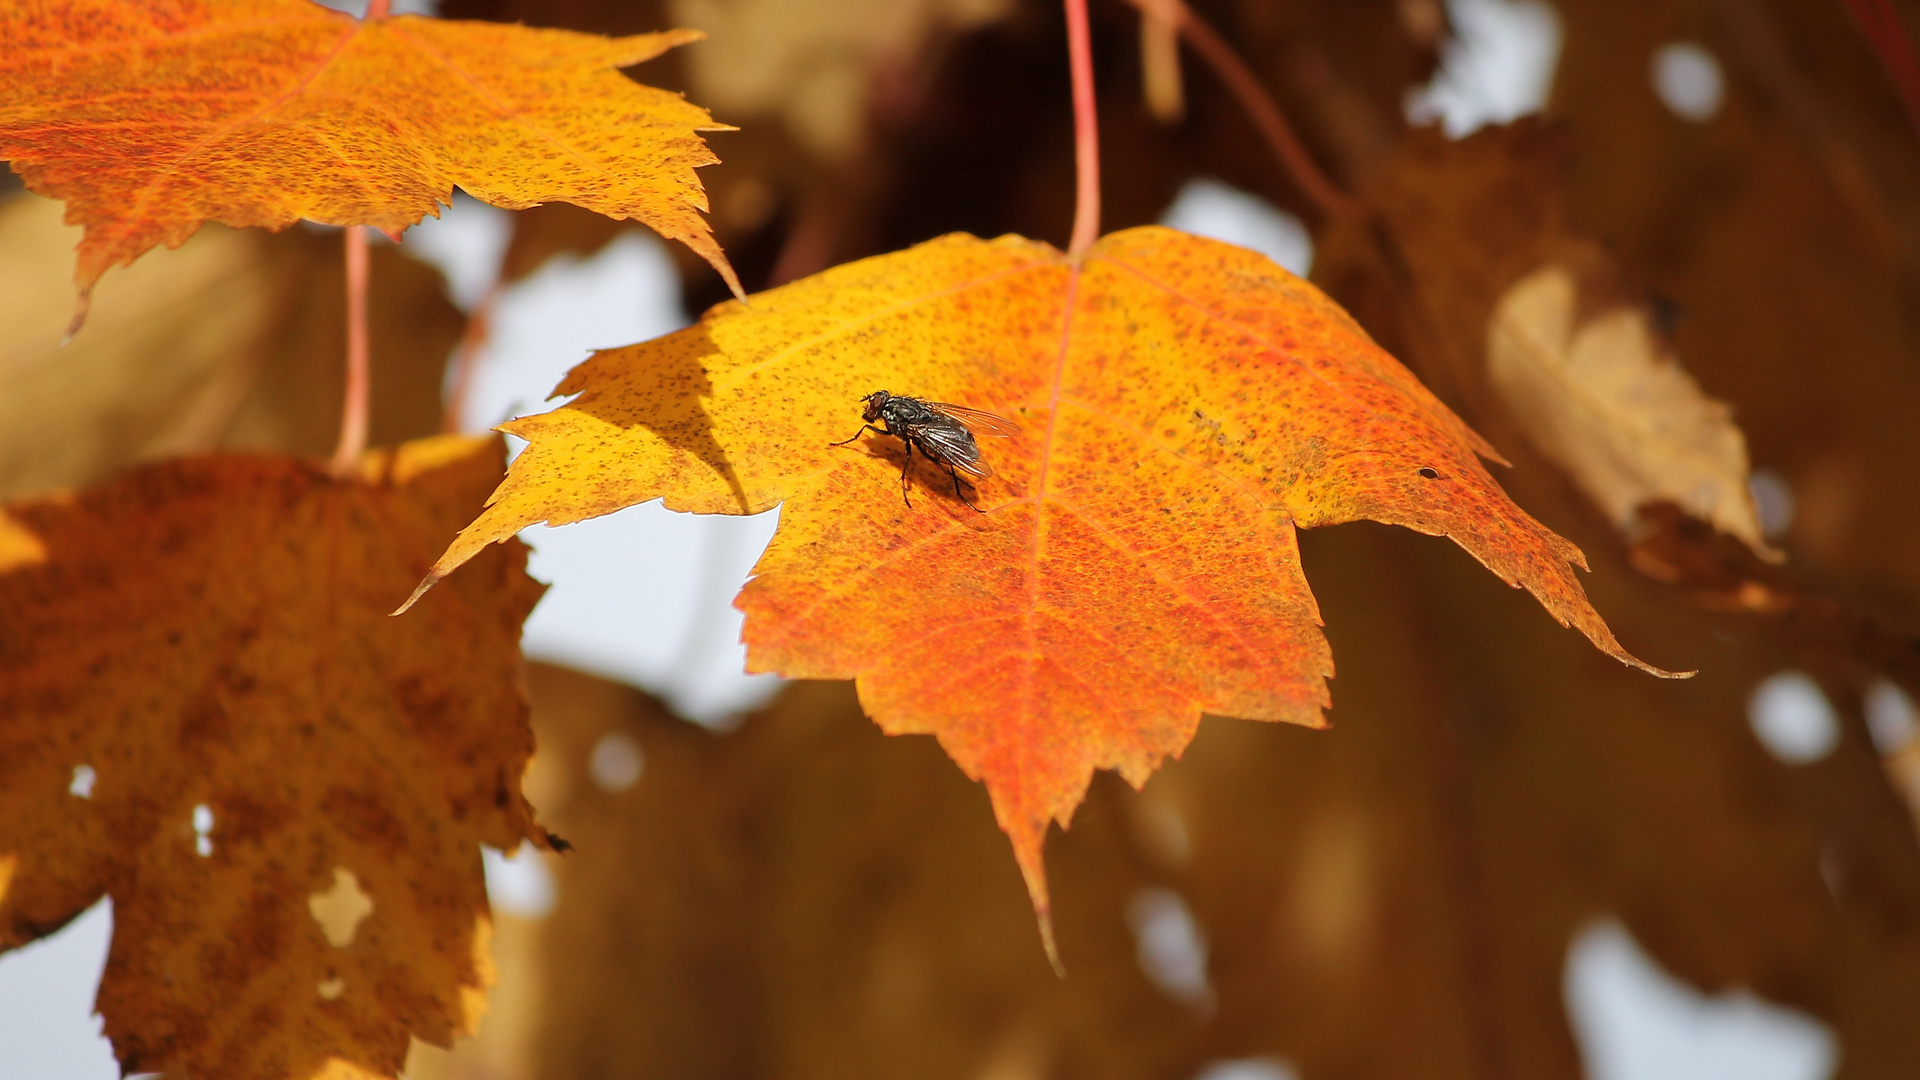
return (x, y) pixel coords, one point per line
(233, 340)
(1423, 889)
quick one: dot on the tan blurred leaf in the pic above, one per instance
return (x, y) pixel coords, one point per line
(1603, 400)
(235, 339)
(813, 62)
(1160, 79)
(166, 337)
(1809, 167)
(206, 714)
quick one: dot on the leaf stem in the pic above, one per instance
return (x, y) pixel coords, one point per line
(467, 356)
(1086, 132)
(1881, 24)
(1260, 106)
(353, 417)
(353, 413)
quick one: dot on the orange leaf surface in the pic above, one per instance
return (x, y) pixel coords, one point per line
(206, 714)
(150, 119)
(1185, 404)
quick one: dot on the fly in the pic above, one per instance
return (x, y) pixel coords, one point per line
(944, 434)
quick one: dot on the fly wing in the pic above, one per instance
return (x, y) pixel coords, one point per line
(953, 446)
(982, 423)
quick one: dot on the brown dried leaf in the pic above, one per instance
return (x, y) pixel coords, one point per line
(206, 714)
(1602, 399)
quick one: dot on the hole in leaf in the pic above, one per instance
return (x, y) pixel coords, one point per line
(83, 778)
(1891, 717)
(1254, 1068)
(48, 989)
(616, 761)
(1430, 474)
(1497, 65)
(331, 989)
(1210, 208)
(519, 884)
(1772, 502)
(1634, 1019)
(1172, 949)
(1793, 718)
(203, 830)
(340, 909)
(1688, 80)
(467, 242)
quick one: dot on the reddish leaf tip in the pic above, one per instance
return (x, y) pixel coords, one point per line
(81, 305)
(1045, 919)
(1029, 842)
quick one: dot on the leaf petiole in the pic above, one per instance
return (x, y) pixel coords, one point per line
(1086, 132)
(353, 414)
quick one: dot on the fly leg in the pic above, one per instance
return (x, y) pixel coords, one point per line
(956, 490)
(863, 430)
(904, 471)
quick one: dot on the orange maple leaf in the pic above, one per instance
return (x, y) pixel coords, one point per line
(150, 119)
(201, 646)
(1186, 404)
